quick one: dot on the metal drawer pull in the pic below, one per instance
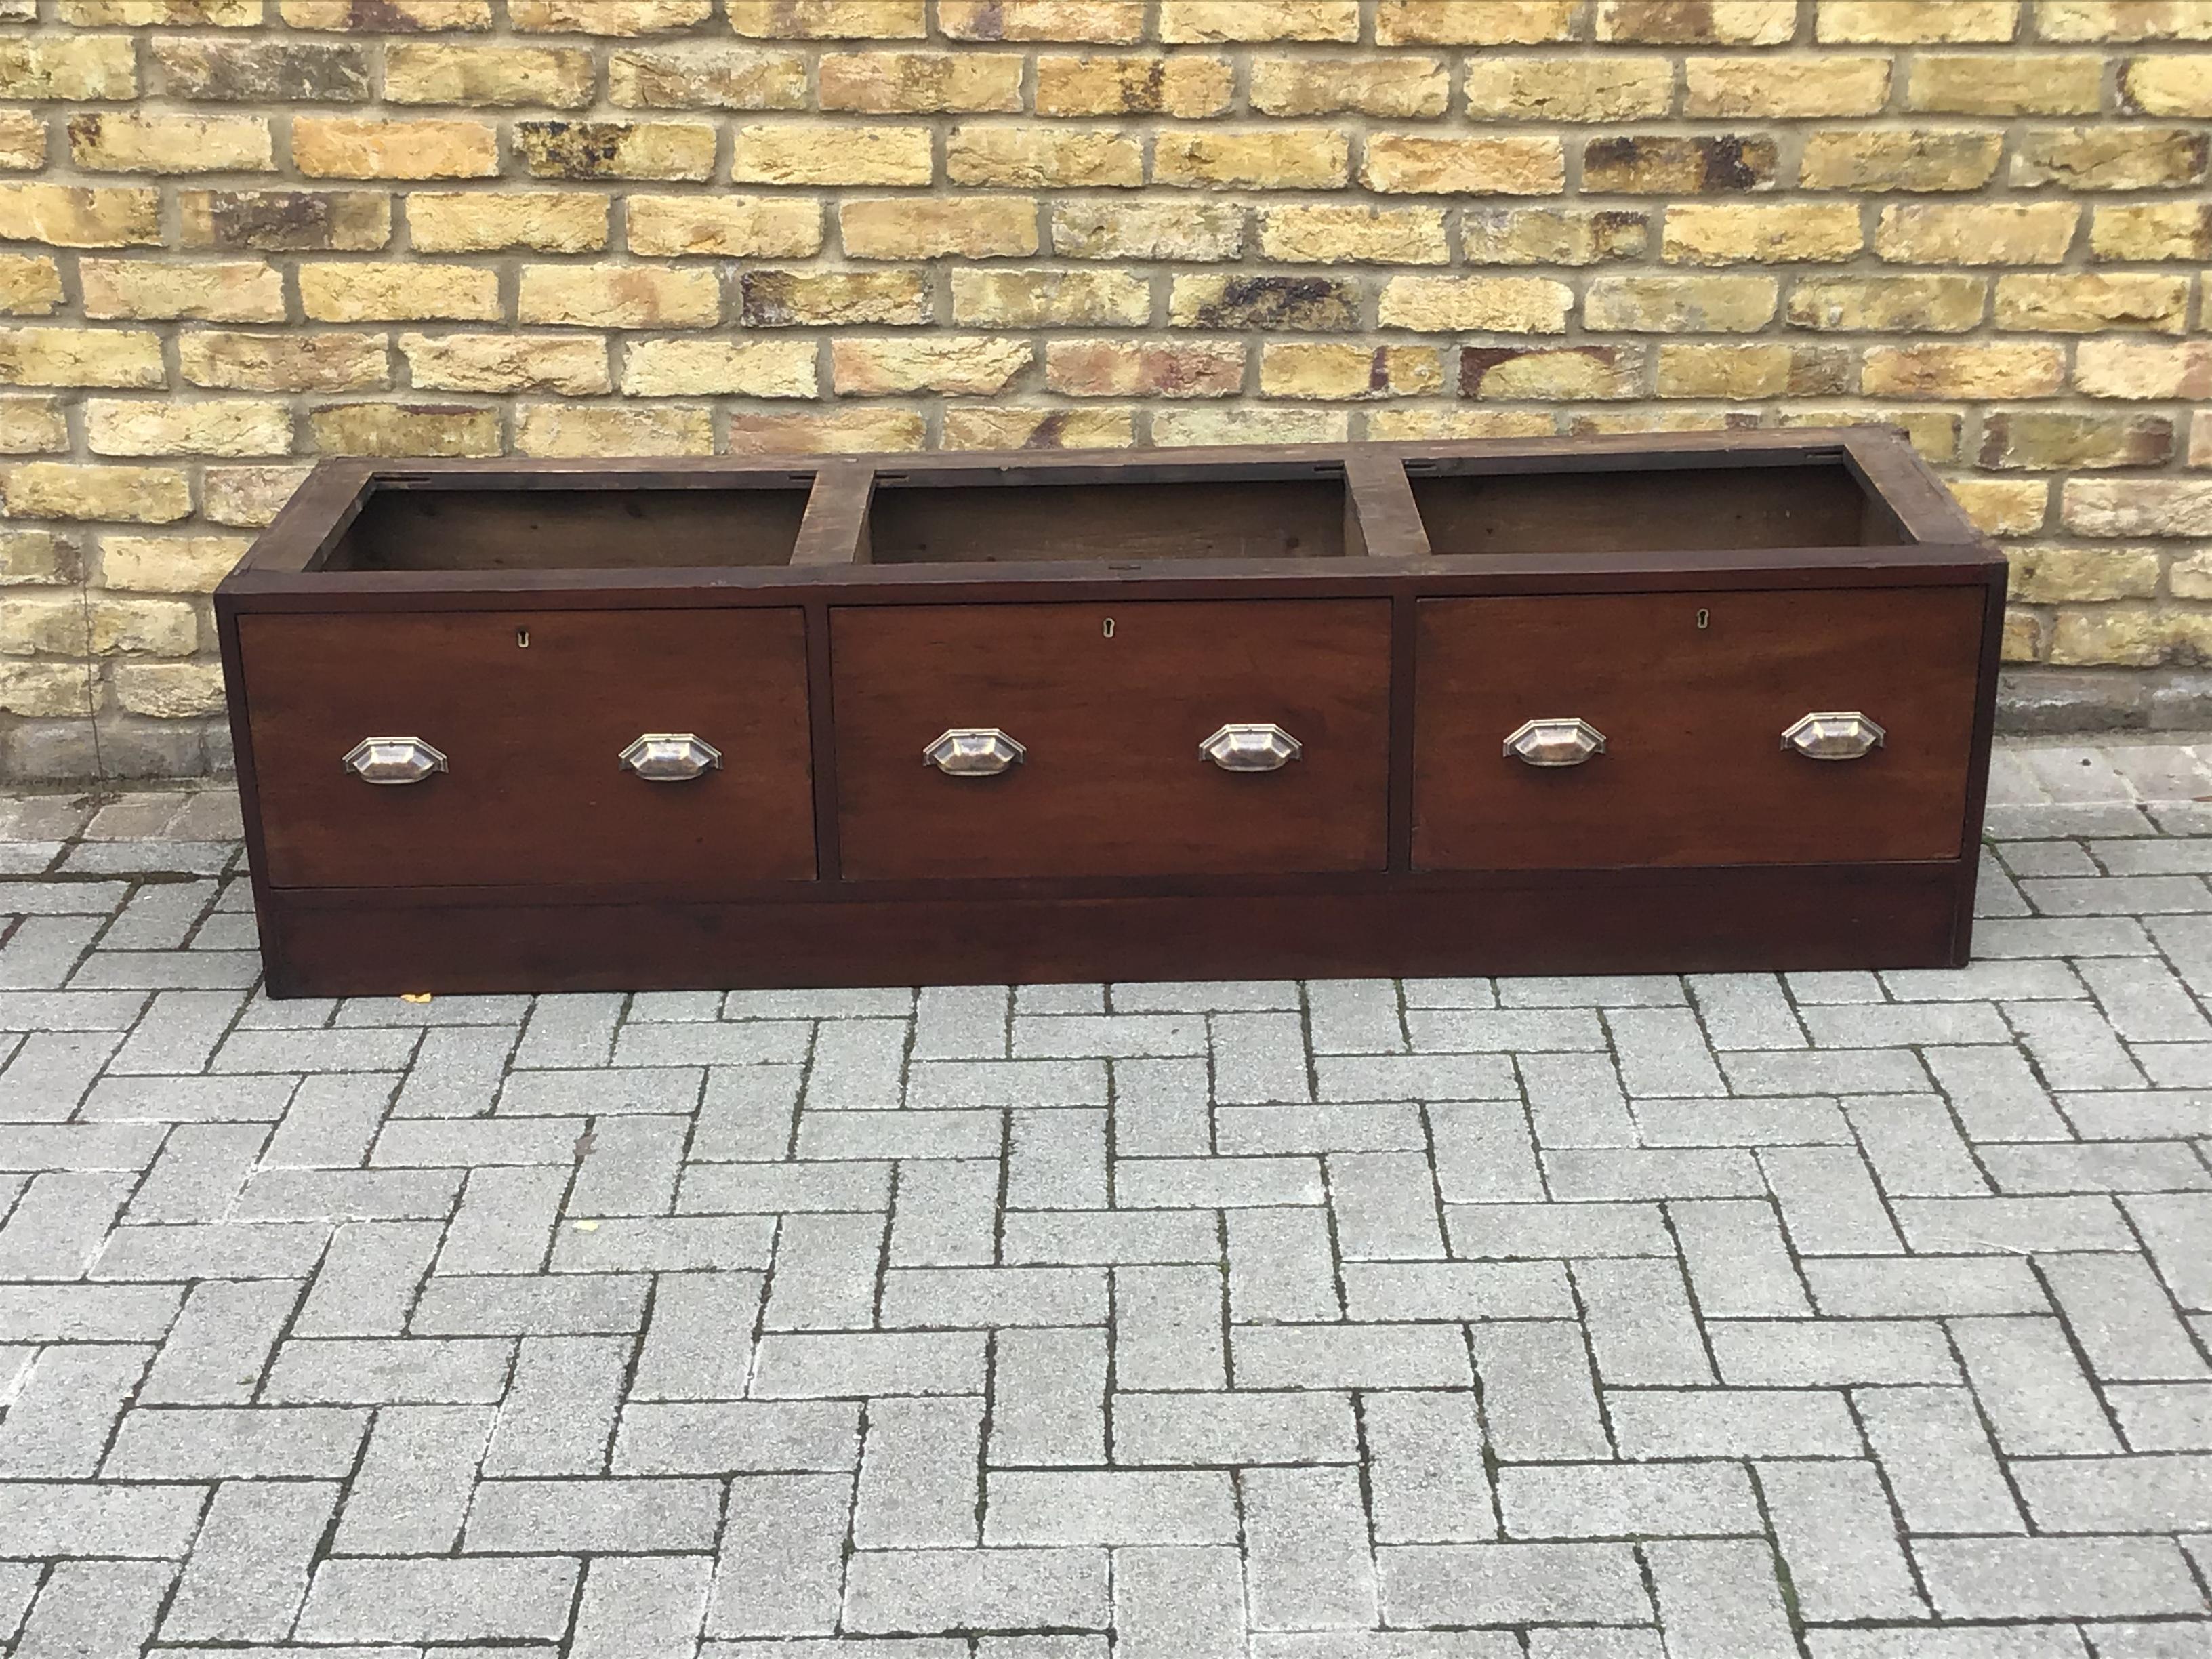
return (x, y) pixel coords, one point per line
(1566, 741)
(393, 760)
(670, 756)
(1264, 748)
(973, 751)
(1840, 735)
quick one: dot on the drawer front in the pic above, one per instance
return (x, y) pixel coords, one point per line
(1694, 770)
(1110, 705)
(533, 790)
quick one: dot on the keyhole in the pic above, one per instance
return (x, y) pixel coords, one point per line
(1705, 618)
(522, 639)
(1108, 629)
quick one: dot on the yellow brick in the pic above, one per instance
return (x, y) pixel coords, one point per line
(1289, 158)
(79, 357)
(506, 362)
(829, 153)
(616, 149)
(2177, 84)
(285, 220)
(1397, 87)
(1977, 234)
(967, 226)
(1328, 233)
(1143, 369)
(2138, 506)
(2114, 635)
(619, 296)
(706, 76)
(1470, 305)
(405, 429)
(1680, 305)
(973, 364)
(2109, 158)
(879, 82)
(1727, 234)
(618, 17)
(720, 368)
(135, 143)
(47, 690)
(243, 292)
(1963, 371)
(33, 425)
(487, 221)
(2053, 440)
(788, 299)
(2144, 368)
(1842, 159)
(2074, 21)
(990, 427)
(1938, 303)
(70, 68)
(1609, 87)
(1197, 20)
(1108, 21)
(169, 690)
(223, 426)
(1743, 373)
(1184, 84)
(1980, 83)
(730, 226)
(1784, 89)
(2002, 507)
(697, 368)
(859, 430)
(1030, 157)
(1698, 22)
(397, 292)
(829, 19)
(67, 215)
(64, 489)
(22, 141)
(321, 362)
(2152, 230)
(383, 16)
(40, 556)
(99, 626)
(168, 564)
(1182, 231)
(1326, 370)
(1406, 163)
(1551, 236)
(30, 285)
(250, 496)
(1594, 423)
(427, 72)
(1487, 24)
(1264, 302)
(2071, 575)
(1549, 374)
(1907, 22)
(1432, 425)
(1050, 299)
(2088, 303)
(1173, 428)
(347, 147)
(2192, 578)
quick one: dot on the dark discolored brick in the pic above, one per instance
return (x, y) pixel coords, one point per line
(1652, 164)
(285, 220)
(280, 71)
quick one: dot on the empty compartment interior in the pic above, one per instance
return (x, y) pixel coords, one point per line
(509, 529)
(914, 522)
(1673, 510)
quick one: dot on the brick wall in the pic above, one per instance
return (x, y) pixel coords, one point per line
(242, 233)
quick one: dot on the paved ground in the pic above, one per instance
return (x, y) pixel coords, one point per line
(1843, 1316)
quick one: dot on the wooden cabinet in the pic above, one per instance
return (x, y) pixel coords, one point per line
(1649, 703)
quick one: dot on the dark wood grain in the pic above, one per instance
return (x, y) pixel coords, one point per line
(1114, 783)
(533, 734)
(1694, 771)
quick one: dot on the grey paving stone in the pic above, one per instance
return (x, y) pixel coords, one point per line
(1642, 1326)
(806, 1365)
(482, 1599)
(1513, 1584)
(164, 1443)
(96, 1607)
(2061, 1577)
(1838, 1538)
(2162, 1493)
(1169, 1329)
(1308, 1562)
(1539, 1390)
(1239, 1427)
(411, 1492)
(1049, 1397)
(998, 1589)
(918, 1474)
(642, 1608)
(41, 1519)
(1427, 1480)
(1108, 1506)
(753, 1437)
(2025, 1374)
(64, 1410)
(1173, 1602)
(1617, 1500)
(1680, 1423)
(1753, 1353)
(248, 1572)
(1943, 1473)
(593, 1516)
(1349, 1356)
(1720, 1599)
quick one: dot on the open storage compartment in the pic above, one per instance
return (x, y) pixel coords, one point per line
(422, 526)
(1470, 507)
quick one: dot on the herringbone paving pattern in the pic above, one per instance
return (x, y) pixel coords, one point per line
(1847, 1315)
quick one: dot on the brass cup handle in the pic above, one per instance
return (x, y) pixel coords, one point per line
(670, 756)
(1564, 740)
(1262, 748)
(1837, 735)
(973, 751)
(393, 760)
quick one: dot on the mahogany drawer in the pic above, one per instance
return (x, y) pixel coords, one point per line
(1109, 705)
(531, 712)
(1693, 693)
